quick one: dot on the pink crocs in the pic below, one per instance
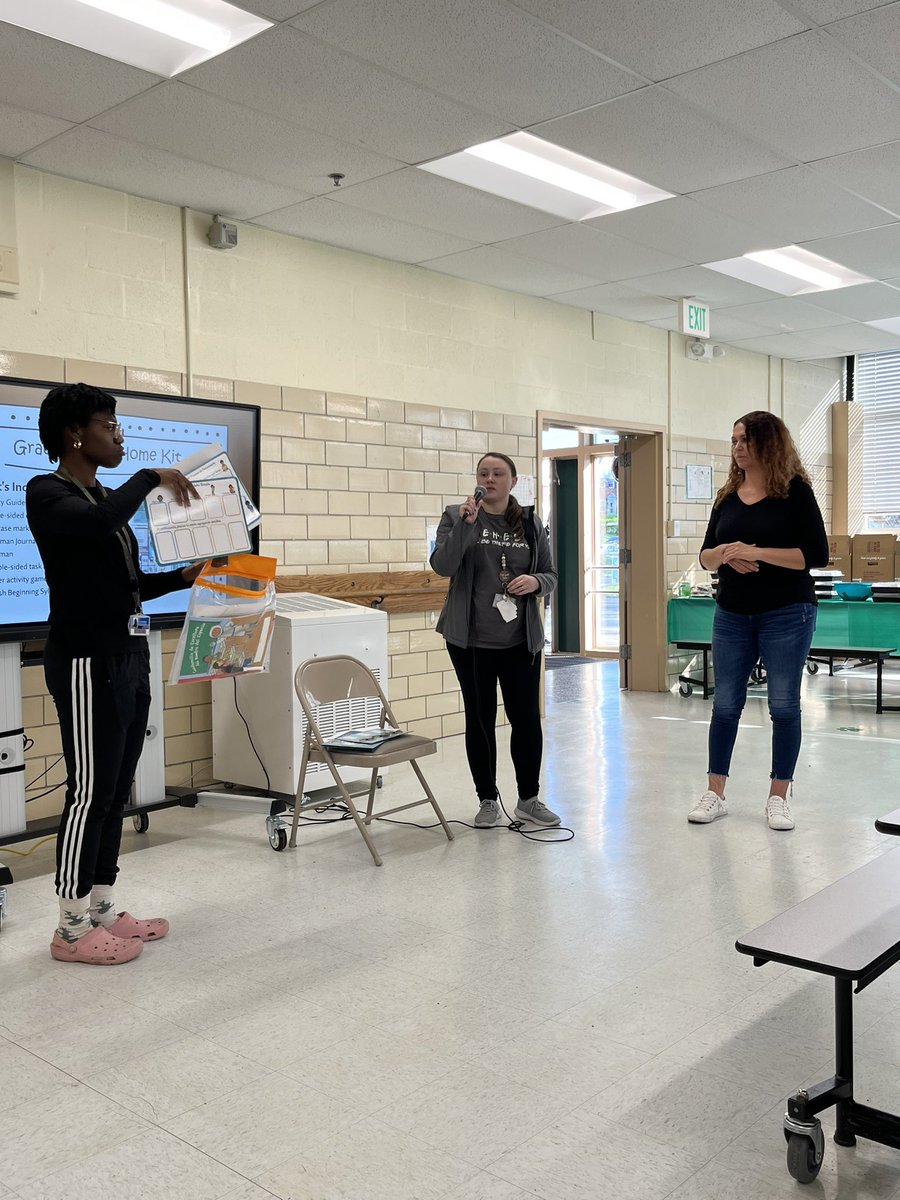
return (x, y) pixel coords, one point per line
(100, 948)
(150, 930)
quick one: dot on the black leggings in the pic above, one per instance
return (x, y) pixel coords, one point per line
(518, 673)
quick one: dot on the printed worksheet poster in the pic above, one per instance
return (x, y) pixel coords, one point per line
(218, 464)
(213, 525)
(218, 523)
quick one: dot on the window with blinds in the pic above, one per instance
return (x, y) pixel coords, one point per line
(878, 391)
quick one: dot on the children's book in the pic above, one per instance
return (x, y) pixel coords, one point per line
(363, 739)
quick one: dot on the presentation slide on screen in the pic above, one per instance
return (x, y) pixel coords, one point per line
(148, 443)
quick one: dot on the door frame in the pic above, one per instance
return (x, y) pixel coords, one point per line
(645, 630)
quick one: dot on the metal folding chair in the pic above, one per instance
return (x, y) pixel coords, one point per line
(339, 677)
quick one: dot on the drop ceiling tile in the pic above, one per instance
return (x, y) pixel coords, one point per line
(49, 77)
(480, 52)
(874, 36)
(21, 131)
(873, 174)
(278, 10)
(795, 205)
(823, 11)
(660, 38)
(144, 171)
(874, 252)
(711, 286)
(618, 301)
(786, 315)
(604, 257)
(497, 267)
(785, 345)
(658, 137)
(804, 96)
(866, 302)
(726, 328)
(437, 203)
(853, 339)
(683, 228)
(321, 220)
(194, 124)
(293, 77)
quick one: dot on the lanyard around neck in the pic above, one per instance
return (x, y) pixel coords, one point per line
(121, 535)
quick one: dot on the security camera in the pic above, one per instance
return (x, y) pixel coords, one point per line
(221, 235)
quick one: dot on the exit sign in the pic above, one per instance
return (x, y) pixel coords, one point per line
(695, 318)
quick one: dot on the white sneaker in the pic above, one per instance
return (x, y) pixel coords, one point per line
(708, 807)
(778, 813)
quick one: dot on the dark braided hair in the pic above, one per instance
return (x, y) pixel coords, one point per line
(514, 515)
(70, 406)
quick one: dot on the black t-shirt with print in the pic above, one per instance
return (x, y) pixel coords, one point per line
(495, 538)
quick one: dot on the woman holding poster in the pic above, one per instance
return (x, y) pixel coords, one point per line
(96, 660)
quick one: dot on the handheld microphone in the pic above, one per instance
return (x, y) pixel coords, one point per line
(479, 494)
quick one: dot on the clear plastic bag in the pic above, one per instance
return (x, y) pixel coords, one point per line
(229, 621)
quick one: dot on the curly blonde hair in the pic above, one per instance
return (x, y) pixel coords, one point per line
(773, 447)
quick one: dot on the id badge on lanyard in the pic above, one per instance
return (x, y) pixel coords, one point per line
(138, 622)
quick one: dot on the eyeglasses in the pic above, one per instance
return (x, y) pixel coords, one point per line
(112, 426)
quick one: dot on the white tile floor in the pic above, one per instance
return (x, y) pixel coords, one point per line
(484, 1020)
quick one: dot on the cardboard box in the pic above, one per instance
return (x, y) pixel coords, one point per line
(874, 545)
(839, 554)
(841, 563)
(874, 569)
(873, 557)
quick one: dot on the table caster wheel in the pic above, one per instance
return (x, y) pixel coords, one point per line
(141, 822)
(685, 689)
(278, 838)
(379, 781)
(813, 668)
(804, 1158)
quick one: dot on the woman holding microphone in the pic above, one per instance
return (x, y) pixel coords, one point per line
(765, 533)
(498, 559)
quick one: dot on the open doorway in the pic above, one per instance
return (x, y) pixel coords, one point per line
(602, 499)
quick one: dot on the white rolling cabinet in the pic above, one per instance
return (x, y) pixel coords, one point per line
(306, 626)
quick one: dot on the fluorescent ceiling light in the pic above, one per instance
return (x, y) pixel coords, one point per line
(166, 18)
(162, 36)
(535, 172)
(790, 270)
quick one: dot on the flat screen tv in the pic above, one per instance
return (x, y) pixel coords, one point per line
(159, 430)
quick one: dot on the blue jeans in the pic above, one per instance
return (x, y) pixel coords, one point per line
(781, 638)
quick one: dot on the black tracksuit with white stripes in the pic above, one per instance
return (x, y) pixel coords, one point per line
(96, 672)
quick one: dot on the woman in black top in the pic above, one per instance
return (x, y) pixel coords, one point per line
(765, 533)
(96, 660)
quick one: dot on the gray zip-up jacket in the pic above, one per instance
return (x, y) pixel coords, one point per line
(452, 556)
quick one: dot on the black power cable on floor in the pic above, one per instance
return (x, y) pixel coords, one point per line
(250, 736)
(531, 835)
